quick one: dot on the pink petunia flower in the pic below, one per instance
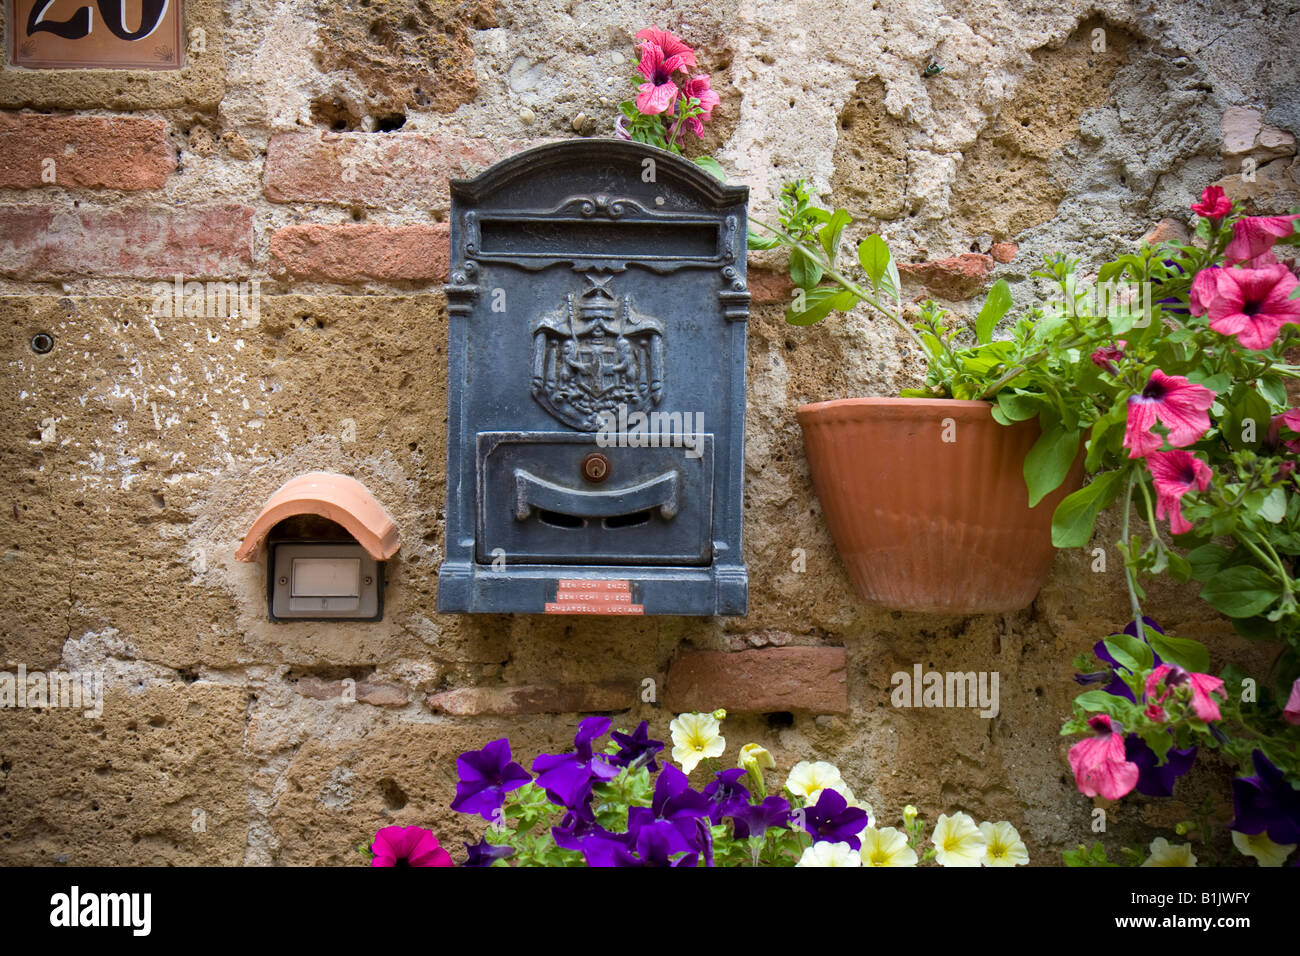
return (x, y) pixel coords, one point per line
(1099, 764)
(698, 87)
(1253, 238)
(1174, 473)
(1204, 288)
(662, 56)
(1291, 712)
(1254, 304)
(408, 846)
(671, 44)
(1155, 712)
(1179, 405)
(1203, 687)
(1106, 357)
(1214, 204)
(1290, 419)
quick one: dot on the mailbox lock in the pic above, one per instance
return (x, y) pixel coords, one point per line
(595, 467)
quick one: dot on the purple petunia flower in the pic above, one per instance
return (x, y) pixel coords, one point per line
(755, 820)
(486, 776)
(655, 844)
(1157, 779)
(1117, 687)
(484, 853)
(674, 802)
(636, 749)
(1266, 803)
(577, 827)
(833, 820)
(567, 778)
(726, 794)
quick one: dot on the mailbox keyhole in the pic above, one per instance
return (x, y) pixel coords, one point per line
(635, 519)
(557, 519)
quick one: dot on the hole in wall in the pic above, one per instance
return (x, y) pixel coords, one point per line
(333, 114)
(780, 718)
(394, 796)
(389, 122)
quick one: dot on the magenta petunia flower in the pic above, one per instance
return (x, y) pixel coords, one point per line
(1253, 238)
(1254, 304)
(1106, 357)
(1174, 474)
(698, 87)
(1291, 712)
(662, 56)
(670, 43)
(1289, 419)
(1203, 687)
(1099, 763)
(408, 846)
(1214, 203)
(1176, 403)
(1204, 288)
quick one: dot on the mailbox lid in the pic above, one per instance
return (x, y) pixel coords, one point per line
(535, 506)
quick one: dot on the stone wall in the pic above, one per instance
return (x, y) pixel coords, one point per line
(307, 145)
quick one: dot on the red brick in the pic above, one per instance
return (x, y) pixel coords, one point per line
(958, 277)
(381, 695)
(40, 242)
(772, 679)
(362, 253)
(89, 152)
(385, 170)
(536, 699)
(766, 288)
(1003, 252)
(1166, 230)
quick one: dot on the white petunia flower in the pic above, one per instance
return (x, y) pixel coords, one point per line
(886, 847)
(1163, 854)
(958, 841)
(830, 854)
(1264, 850)
(1004, 846)
(695, 737)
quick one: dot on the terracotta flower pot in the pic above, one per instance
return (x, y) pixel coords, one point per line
(924, 523)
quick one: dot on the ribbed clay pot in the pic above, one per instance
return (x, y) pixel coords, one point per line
(925, 524)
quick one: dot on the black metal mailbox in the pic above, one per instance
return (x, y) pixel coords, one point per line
(596, 386)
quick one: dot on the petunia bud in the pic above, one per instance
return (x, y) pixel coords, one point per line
(909, 815)
(719, 714)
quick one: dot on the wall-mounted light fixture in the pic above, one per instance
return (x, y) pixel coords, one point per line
(327, 540)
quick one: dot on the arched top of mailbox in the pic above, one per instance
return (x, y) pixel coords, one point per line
(541, 161)
(340, 499)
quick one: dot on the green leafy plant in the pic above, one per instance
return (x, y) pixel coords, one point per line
(1167, 372)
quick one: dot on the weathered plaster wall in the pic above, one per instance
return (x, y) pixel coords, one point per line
(142, 446)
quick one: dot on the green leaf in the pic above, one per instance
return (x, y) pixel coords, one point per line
(757, 240)
(1018, 406)
(1271, 387)
(820, 302)
(1206, 560)
(805, 271)
(995, 306)
(830, 233)
(1188, 654)
(1130, 653)
(1098, 701)
(712, 167)
(1049, 461)
(1075, 517)
(874, 256)
(1273, 509)
(1243, 591)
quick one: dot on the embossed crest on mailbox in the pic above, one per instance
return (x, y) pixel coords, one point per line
(596, 386)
